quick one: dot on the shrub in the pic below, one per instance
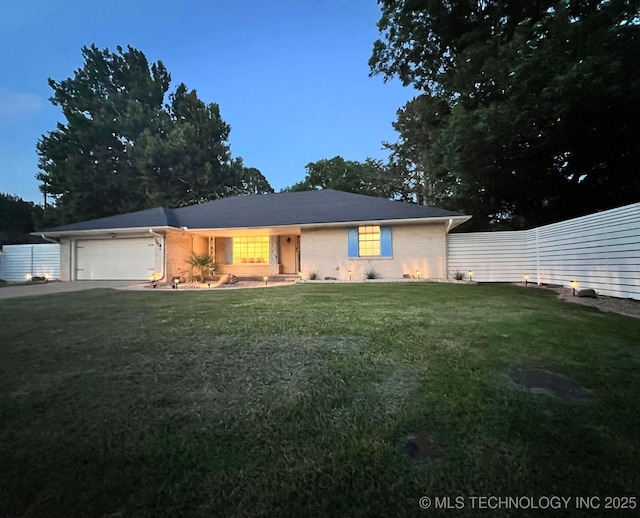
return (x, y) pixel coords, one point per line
(313, 276)
(458, 275)
(371, 273)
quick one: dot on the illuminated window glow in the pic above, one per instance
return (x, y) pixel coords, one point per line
(251, 250)
(369, 241)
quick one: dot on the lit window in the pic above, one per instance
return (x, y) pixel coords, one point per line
(368, 241)
(251, 250)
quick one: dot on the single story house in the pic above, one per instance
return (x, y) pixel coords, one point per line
(329, 233)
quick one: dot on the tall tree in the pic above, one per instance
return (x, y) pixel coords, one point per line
(368, 177)
(123, 149)
(187, 159)
(251, 180)
(15, 214)
(543, 98)
(108, 103)
(17, 219)
(414, 158)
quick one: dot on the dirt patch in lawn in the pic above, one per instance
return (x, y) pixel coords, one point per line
(546, 382)
(421, 446)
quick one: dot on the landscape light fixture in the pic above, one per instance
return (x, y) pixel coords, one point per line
(176, 281)
(266, 279)
(417, 274)
(350, 273)
(470, 276)
(526, 279)
(574, 285)
(28, 276)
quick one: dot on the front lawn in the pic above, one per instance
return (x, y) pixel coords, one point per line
(313, 400)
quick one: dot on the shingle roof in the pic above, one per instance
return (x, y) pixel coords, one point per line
(299, 208)
(268, 210)
(158, 217)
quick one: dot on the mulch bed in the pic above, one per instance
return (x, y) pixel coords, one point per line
(626, 307)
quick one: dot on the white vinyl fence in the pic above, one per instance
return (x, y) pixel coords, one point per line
(600, 251)
(17, 262)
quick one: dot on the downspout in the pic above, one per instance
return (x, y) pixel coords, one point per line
(164, 244)
(449, 226)
(51, 240)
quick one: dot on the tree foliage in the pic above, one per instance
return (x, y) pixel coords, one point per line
(17, 219)
(123, 149)
(529, 112)
(413, 160)
(368, 177)
(16, 215)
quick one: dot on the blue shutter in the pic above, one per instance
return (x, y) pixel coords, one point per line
(352, 240)
(386, 248)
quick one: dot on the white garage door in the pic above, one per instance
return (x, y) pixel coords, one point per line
(115, 259)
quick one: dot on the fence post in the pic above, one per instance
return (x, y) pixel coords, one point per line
(537, 258)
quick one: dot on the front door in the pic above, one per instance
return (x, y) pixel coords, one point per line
(289, 251)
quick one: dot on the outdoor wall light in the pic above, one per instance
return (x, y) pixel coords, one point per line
(470, 276)
(574, 285)
(417, 274)
(526, 279)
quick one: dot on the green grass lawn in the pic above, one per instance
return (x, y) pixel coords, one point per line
(298, 402)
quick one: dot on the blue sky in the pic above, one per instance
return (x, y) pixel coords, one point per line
(290, 76)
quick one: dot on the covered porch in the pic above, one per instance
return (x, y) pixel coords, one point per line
(241, 252)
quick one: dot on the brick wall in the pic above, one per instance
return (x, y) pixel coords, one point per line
(415, 248)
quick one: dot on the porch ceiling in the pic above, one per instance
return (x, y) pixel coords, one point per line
(256, 231)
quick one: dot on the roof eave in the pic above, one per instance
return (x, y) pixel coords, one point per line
(451, 221)
(100, 231)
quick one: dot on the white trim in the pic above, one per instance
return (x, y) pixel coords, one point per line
(97, 232)
(451, 221)
(381, 222)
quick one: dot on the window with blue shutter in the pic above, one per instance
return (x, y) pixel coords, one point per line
(369, 241)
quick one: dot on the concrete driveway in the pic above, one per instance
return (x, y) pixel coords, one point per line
(29, 290)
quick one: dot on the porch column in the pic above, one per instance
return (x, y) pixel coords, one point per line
(274, 255)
